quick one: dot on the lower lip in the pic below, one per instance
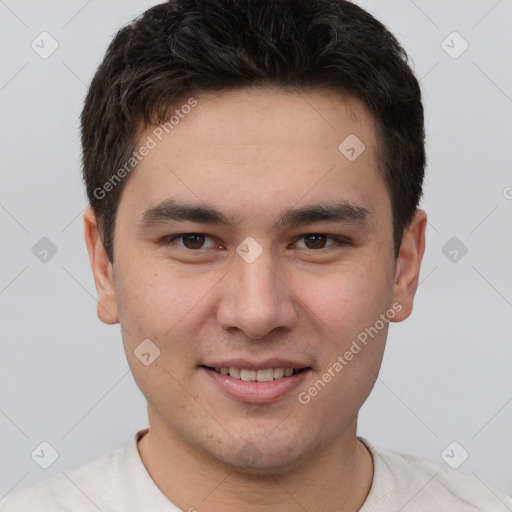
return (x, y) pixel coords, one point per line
(256, 392)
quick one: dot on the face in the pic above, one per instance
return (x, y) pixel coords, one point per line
(248, 238)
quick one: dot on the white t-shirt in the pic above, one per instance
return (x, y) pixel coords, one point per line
(119, 482)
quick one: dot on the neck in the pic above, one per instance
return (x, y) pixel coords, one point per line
(337, 477)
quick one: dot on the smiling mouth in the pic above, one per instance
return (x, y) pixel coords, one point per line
(262, 375)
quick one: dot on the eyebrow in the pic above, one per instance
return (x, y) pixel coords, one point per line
(332, 211)
(173, 210)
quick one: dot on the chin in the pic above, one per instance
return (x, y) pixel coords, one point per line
(266, 465)
(259, 456)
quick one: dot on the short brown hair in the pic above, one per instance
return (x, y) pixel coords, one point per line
(179, 48)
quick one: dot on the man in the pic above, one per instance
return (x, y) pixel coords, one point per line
(254, 170)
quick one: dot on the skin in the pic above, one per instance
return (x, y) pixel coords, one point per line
(253, 154)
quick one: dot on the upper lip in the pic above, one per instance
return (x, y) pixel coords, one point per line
(256, 365)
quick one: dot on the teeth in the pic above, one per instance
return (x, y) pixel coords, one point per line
(265, 375)
(248, 374)
(234, 372)
(278, 373)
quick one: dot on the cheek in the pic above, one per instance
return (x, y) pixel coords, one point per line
(159, 302)
(347, 300)
(162, 306)
(350, 346)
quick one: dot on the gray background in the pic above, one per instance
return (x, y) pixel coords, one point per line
(446, 374)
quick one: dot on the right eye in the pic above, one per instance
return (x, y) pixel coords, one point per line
(191, 241)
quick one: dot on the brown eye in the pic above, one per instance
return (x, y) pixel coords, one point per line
(190, 241)
(315, 241)
(193, 240)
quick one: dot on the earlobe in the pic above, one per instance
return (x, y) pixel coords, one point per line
(408, 265)
(102, 270)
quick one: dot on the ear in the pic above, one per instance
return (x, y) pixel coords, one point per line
(102, 270)
(408, 265)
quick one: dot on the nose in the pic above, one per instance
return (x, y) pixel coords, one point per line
(257, 298)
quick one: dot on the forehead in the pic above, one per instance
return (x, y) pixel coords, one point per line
(258, 148)
(269, 117)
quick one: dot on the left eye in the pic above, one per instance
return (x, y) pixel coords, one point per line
(318, 241)
(191, 241)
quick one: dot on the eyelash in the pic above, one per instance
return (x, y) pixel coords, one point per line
(337, 241)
